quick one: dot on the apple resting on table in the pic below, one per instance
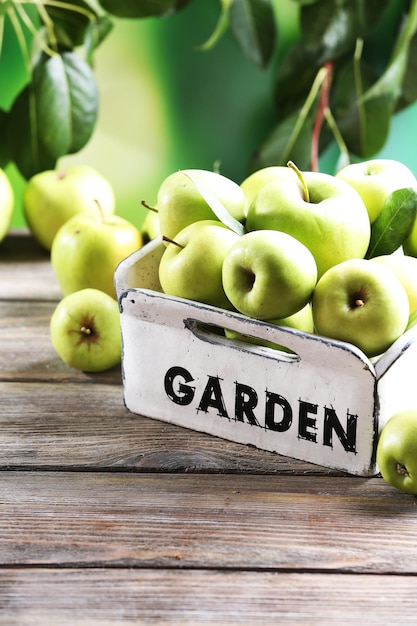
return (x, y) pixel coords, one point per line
(6, 204)
(363, 303)
(324, 213)
(51, 197)
(85, 330)
(396, 453)
(87, 249)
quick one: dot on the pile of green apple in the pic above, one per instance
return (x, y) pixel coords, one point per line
(71, 213)
(300, 249)
(290, 248)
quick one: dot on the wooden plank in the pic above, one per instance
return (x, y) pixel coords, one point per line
(206, 521)
(112, 597)
(67, 425)
(26, 350)
(25, 270)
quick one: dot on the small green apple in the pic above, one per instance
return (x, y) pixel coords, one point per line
(191, 265)
(85, 330)
(51, 197)
(405, 269)
(180, 203)
(301, 320)
(375, 180)
(6, 204)
(362, 303)
(268, 274)
(87, 249)
(396, 453)
(324, 213)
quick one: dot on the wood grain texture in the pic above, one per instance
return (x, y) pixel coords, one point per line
(50, 425)
(26, 350)
(110, 518)
(25, 270)
(206, 521)
(113, 597)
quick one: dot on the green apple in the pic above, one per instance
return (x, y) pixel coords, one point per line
(51, 197)
(396, 453)
(405, 268)
(268, 274)
(150, 227)
(253, 183)
(191, 265)
(85, 330)
(324, 213)
(6, 204)
(87, 249)
(301, 320)
(375, 180)
(362, 303)
(180, 202)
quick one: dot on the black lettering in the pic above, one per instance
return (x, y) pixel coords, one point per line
(273, 399)
(331, 423)
(213, 397)
(246, 399)
(307, 428)
(184, 394)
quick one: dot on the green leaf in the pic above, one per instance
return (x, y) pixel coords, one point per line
(389, 84)
(290, 93)
(54, 115)
(72, 20)
(216, 206)
(330, 28)
(393, 224)
(282, 145)
(143, 8)
(252, 23)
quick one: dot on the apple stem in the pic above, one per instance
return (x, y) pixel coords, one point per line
(147, 206)
(85, 330)
(100, 210)
(301, 179)
(172, 241)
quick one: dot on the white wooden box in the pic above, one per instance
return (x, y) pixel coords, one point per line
(324, 403)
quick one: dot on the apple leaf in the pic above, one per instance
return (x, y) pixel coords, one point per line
(287, 141)
(253, 26)
(364, 128)
(331, 28)
(72, 20)
(216, 206)
(54, 114)
(393, 224)
(142, 8)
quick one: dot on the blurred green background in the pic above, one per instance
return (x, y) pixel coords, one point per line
(166, 105)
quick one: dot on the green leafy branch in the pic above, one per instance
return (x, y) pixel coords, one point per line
(349, 70)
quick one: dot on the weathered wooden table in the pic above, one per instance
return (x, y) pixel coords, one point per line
(112, 518)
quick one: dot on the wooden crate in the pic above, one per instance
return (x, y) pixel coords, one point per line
(323, 402)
